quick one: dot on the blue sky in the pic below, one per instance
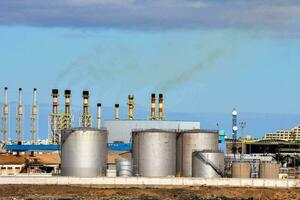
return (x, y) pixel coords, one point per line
(207, 57)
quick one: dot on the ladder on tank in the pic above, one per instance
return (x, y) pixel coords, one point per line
(208, 162)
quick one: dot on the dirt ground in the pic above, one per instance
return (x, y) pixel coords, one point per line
(107, 192)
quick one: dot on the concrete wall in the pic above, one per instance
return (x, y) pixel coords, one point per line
(145, 181)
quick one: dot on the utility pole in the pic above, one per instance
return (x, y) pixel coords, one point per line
(234, 132)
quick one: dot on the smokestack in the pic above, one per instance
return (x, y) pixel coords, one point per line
(130, 107)
(161, 107)
(5, 95)
(85, 95)
(55, 96)
(34, 102)
(86, 118)
(33, 119)
(153, 107)
(98, 115)
(117, 111)
(5, 105)
(20, 96)
(67, 101)
(19, 119)
(5, 111)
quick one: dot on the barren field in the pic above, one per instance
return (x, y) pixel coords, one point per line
(107, 192)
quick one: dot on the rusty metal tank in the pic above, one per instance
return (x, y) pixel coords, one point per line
(83, 152)
(269, 170)
(208, 164)
(193, 140)
(240, 169)
(154, 152)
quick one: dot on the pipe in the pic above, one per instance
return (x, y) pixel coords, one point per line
(161, 107)
(130, 107)
(98, 115)
(67, 101)
(55, 95)
(117, 111)
(85, 95)
(153, 107)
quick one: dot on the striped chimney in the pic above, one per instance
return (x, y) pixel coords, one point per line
(68, 101)
(55, 104)
(160, 107)
(153, 107)
(85, 95)
(130, 107)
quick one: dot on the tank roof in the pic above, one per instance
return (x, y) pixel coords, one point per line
(85, 129)
(200, 131)
(154, 130)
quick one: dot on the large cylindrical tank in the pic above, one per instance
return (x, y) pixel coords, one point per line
(241, 169)
(193, 140)
(269, 170)
(154, 152)
(123, 167)
(208, 164)
(83, 152)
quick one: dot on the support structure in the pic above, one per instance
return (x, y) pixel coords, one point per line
(33, 118)
(5, 117)
(19, 119)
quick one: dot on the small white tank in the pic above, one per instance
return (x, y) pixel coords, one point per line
(123, 167)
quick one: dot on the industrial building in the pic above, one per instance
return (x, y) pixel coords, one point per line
(120, 130)
(153, 147)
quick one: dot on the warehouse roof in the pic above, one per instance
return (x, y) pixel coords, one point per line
(22, 159)
(11, 159)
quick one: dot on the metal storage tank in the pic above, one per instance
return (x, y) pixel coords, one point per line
(123, 167)
(193, 140)
(208, 164)
(269, 170)
(83, 152)
(154, 152)
(241, 169)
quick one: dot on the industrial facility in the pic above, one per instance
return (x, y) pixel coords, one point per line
(157, 147)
